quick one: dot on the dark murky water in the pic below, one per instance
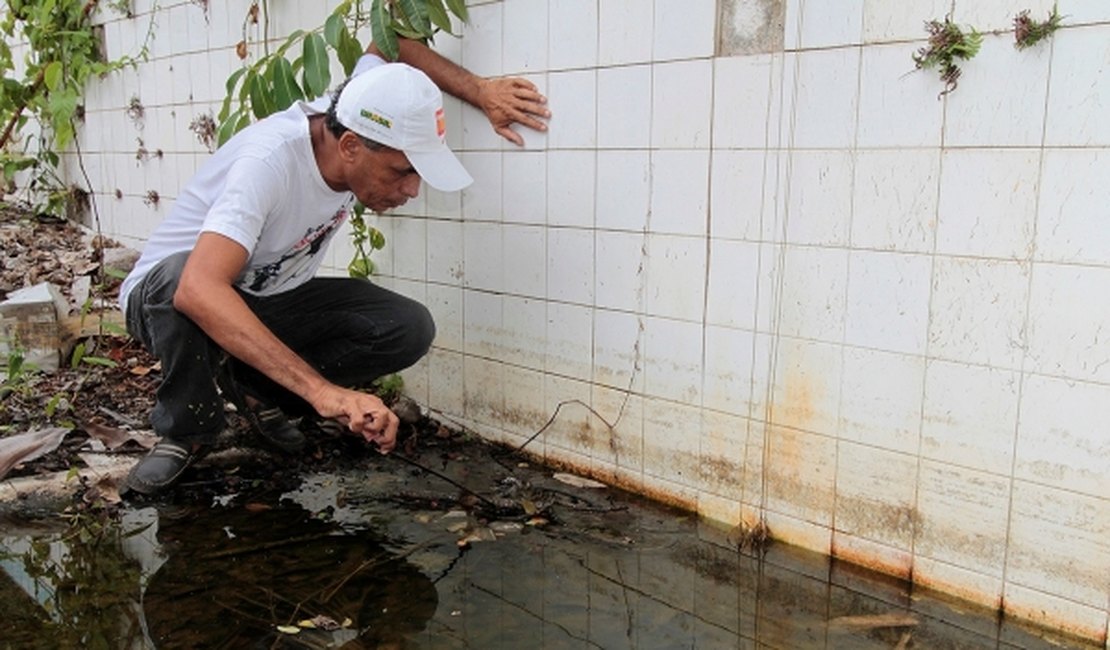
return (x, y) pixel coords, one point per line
(611, 573)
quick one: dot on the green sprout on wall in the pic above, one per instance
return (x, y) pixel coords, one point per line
(947, 43)
(1029, 32)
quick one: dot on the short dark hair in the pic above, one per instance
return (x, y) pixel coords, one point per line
(332, 123)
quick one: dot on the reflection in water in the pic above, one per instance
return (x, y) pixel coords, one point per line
(232, 578)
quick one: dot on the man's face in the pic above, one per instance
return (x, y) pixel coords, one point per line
(383, 178)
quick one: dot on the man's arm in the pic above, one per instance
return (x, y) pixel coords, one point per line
(206, 295)
(504, 100)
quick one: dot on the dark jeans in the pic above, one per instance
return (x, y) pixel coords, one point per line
(350, 330)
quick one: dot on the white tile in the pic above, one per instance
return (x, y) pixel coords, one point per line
(676, 269)
(673, 360)
(894, 201)
(1001, 97)
(1066, 322)
(524, 45)
(1074, 206)
(978, 311)
(483, 250)
(729, 361)
(570, 265)
(623, 98)
(988, 202)
(569, 341)
(831, 23)
(476, 132)
(1063, 616)
(483, 390)
(734, 298)
(524, 406)
(897, 109)
(801, 475)
(962, 517)
(625, 438)
(819, 203)
(569, 430)
(482, 324)
(571, 179)
(824, 95)
(481, 40)
(969, 416)
(618, 350)
(806, 391)
(1076, 566)
(742, 87)
(625, 31)
(1062, 438)
(445, 252)
(690, 28)
(523, 190)
(681, 103)
(671, 436)
(572, 26)
(888, 301)
(969, 585)
(445, 382)
(524, 327)
(736, 194)
(873, 498)
(446, 306)
(1079, 90)
(881, 399)
(726, 455)
(621, 270)
(410, 248)
(623, 189)
(987, 15)
(572, 99)
(897, 21)
(813, 293)
(680, 192)
(523, 246)
(1084, 11)
(482, 199)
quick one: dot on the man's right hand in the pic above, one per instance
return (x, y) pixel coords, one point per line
(364, 414)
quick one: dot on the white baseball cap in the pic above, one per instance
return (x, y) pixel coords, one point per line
(399, 106)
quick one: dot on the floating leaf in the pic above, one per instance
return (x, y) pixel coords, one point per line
(288, 629)
(577, 481)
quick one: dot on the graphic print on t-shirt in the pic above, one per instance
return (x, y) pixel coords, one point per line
(294, 261)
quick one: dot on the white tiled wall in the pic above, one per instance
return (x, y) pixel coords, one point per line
(795, 285)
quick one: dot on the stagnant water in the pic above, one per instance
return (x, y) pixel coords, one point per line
(378, 552)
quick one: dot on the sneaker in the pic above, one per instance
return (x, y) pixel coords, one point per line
(162, 465)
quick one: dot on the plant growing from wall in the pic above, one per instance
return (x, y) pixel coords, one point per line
(63, 53)
(947, 43)
(1029, 32)
(300, 68)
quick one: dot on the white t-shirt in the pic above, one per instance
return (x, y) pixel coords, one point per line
(263, 190)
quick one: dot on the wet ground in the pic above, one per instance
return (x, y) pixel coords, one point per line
(460, 547)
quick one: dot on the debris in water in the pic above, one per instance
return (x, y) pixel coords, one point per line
(577, 481)
(871, 621)
(288, 629)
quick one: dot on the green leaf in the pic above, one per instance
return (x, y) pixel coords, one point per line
(289, 42)
(113, 272)
(262, 99)
(438, 15)
(458, 7)
(228, 128)
(112, 328)
(349, 51)
(332, 28)
(286, 90)
(52, 75)
(416, 18)
(77, 356)
(317, 73)
(361, 268)
(381, 32)
(100, 361)
(377, 239)
(234, 79)
(401, 30)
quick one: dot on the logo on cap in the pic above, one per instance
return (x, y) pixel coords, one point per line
(441, 123)
(374, 117)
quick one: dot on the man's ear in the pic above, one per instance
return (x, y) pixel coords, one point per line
(349, 146)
